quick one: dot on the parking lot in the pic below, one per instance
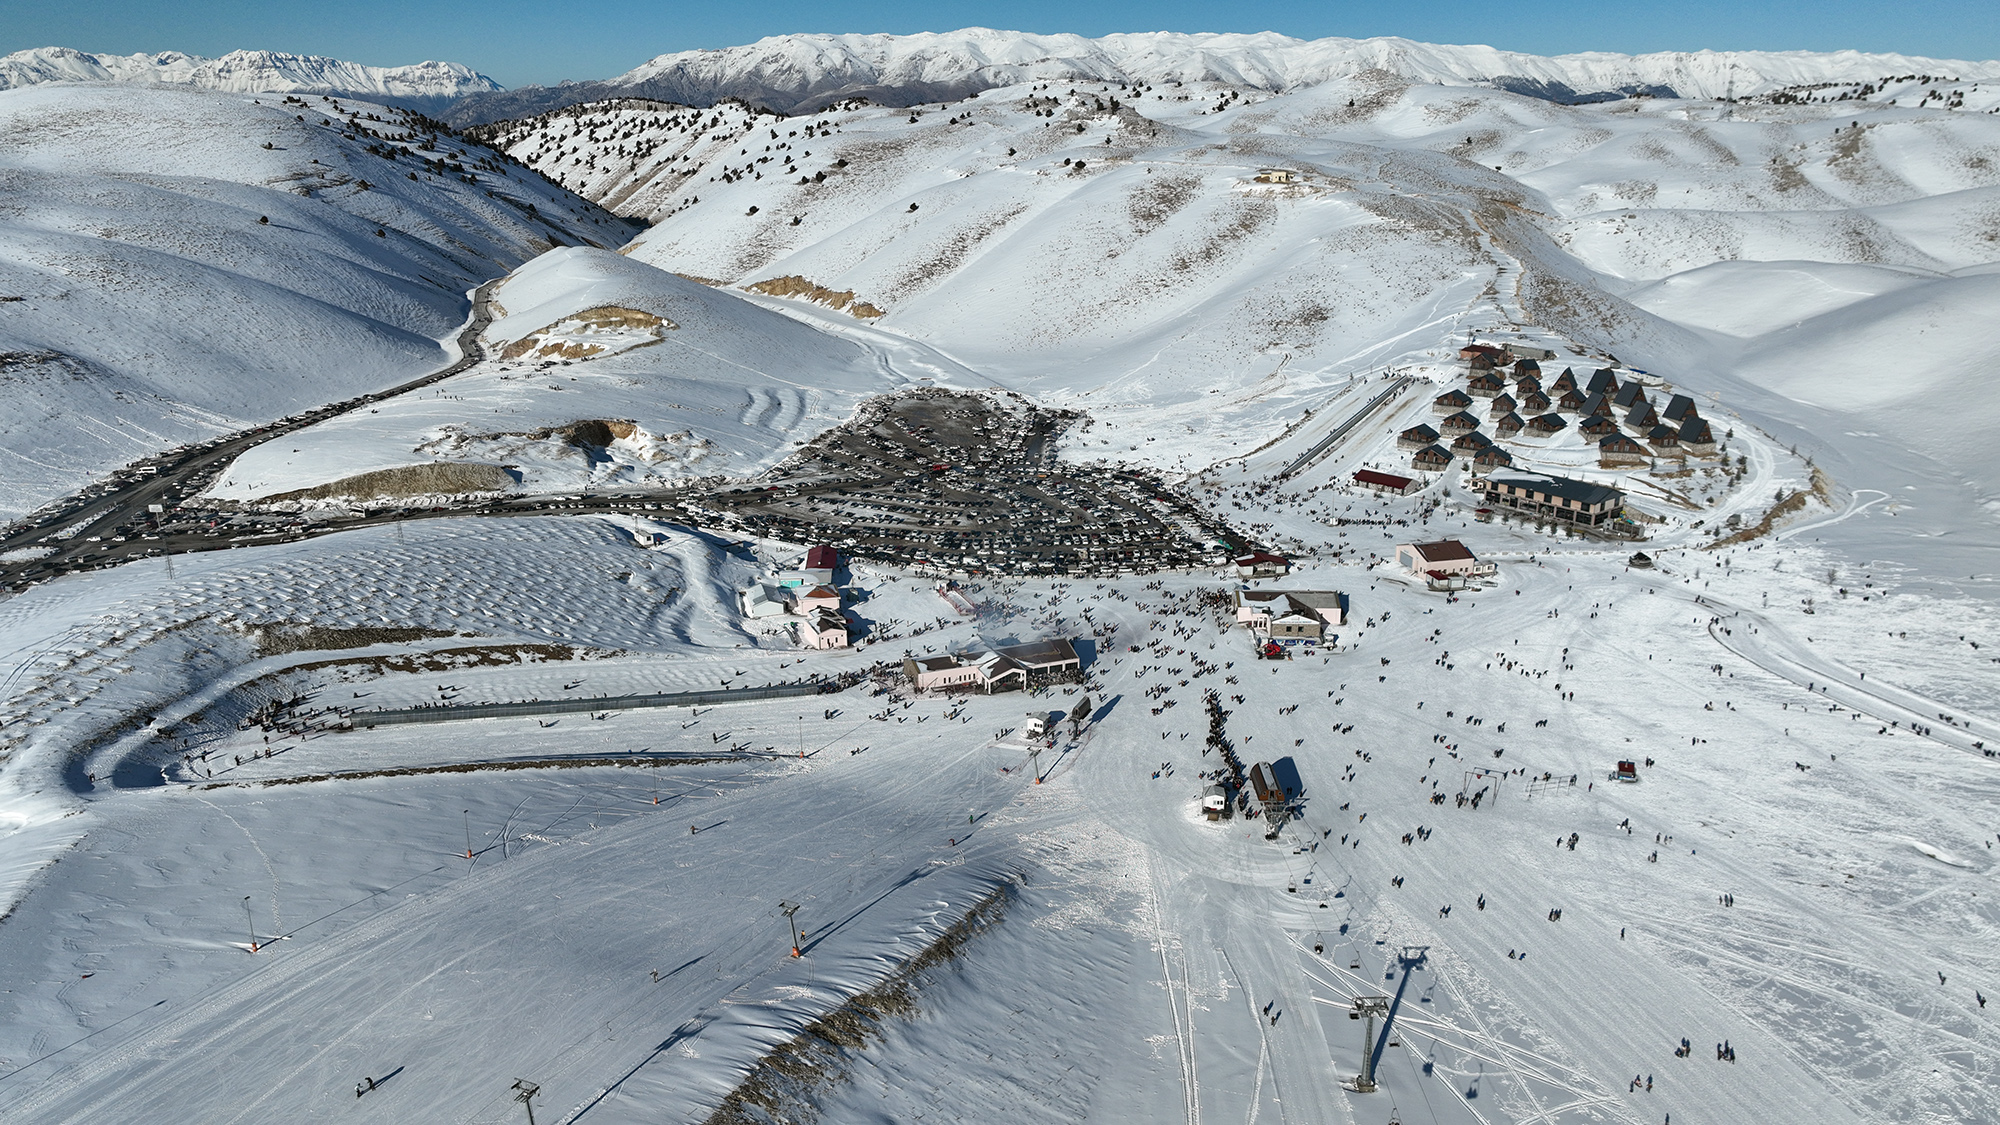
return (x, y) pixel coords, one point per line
(969, 483)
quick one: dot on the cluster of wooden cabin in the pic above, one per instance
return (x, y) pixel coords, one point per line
(1504, 391)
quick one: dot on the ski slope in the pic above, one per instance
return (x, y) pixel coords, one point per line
(594, 902)
(1132, 924)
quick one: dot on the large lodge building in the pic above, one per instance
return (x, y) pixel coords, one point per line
(1559, 498)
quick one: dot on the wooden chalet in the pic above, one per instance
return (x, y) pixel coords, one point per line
(1507, 425)
(1643, 417)
(1416, 437)
(1597, 404)
(1603, 381)
(1485, 384)
(1446, 556)
(1616, 450)
(1571, 402)
(1431, 459)
(1469, 443)
(1458, 423)
(1679, 409)
(1544, 425)
(1564, 382)
(1450, 402)
(1696, 437)
(1665, 440)
(1597, 426)
(1490, 458)
(1501, 404)
(1535, 402)
(1629, 397)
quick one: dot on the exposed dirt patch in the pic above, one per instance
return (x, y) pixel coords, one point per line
(1785, 175)
(784, 1083)
(1254, 216)
(449, 659)
(279, 639)
(1821, 490)
(622, 328)
(1158, 200)
(793, 285)
(954, 252)
(439, 478)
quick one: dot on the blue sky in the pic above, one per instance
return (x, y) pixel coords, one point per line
(525, 41)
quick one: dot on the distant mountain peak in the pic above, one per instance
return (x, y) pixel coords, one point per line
(424, 84)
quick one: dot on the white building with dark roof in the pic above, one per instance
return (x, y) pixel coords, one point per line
(1442, 558)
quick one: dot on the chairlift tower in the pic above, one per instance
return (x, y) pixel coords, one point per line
(790, 911)
(524, 1092)
(1367, 1008)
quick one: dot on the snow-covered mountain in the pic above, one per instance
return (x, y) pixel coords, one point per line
(797, 73)
(175, 263)
(424, 85)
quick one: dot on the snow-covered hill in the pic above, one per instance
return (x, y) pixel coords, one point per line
(801, 73)
(422, 86)
(176, 263)
(688, 380)
(1110, 245)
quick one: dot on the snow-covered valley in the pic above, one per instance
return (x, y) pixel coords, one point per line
(231, 884)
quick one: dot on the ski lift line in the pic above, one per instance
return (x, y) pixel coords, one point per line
(565, 1062)
(74, 1042)
(1502, 1049)
(1472, 1012)
(1416, 1079)
(1584, 1098)
(1499, 1056)
(1340, 431)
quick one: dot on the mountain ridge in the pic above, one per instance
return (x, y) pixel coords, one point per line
(803, 73)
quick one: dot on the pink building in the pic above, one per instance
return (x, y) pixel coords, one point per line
(822, 629)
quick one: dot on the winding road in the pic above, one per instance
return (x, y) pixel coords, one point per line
(121, 509)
